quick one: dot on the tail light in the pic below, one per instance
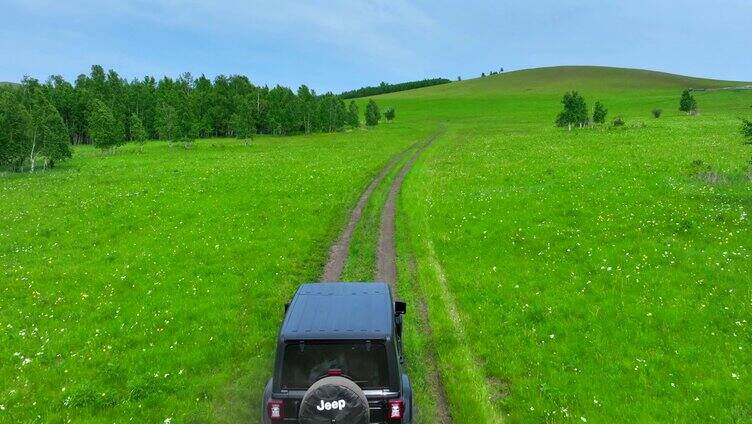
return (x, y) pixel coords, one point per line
(274, 408)
(396, 409)
(334, 372)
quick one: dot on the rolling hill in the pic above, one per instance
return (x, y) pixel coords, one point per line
(556, 79)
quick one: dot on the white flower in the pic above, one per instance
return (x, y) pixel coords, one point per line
(167, 420)
(583, 419)
(2, 407)
(734, 375)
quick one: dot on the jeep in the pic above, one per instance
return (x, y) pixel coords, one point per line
(339, 358)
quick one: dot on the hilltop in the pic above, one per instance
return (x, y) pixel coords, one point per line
(558, 78)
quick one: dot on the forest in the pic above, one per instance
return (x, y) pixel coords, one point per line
(384, 88)
(106, 109)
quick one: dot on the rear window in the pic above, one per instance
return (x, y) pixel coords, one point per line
(365, 364)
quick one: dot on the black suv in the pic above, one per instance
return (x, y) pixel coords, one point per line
(339, 358)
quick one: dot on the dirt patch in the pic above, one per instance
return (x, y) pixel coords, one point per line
(340, 249)
(712, 178)
(386, 269)
(499, 389)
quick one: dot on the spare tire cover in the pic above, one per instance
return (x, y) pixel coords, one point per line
(334, 400)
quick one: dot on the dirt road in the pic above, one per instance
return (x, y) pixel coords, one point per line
(386, 269)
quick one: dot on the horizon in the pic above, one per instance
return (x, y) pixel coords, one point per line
(347, 45)
(375, 84)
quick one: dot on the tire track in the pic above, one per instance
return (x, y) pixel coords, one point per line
(340, 249)
(386, 256)
(386, 269)
(443, 414)
(386, 260)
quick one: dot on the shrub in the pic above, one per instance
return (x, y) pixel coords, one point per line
(599, 113)
(389, 114)
(688, 104)
(352, 114)
(372, 113)
(618, 122)
(657, 113)
(574, 113)
(747, 130)
(698, 166)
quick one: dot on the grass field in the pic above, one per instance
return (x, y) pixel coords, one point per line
(596, 275)
(150, 285)
(587, 275)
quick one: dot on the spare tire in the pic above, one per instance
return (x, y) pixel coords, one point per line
(334, 400)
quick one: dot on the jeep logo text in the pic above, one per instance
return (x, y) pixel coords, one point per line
(336, 404)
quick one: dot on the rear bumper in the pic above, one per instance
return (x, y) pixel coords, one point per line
(377, 401)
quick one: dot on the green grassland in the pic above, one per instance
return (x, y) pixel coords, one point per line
(596, 274)
(591, 275)
(150, 285)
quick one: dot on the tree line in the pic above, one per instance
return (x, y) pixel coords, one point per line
(384, 88)
(39, 120)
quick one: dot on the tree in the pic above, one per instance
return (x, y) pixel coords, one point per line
(105, 132)
(389, 114)
(657, 113)
(49, 135)
(688, 104)
(15, 128)
(46, 135)
(353, 114)
(307, 107)
(747, 130)
(384, 88)
(333, 115)
(575, 111)
(138, 132)
(167, 123)
(482, 74)
(243, 123)
(372, 113)
(599, 113)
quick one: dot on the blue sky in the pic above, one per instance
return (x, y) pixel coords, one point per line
(342, 44)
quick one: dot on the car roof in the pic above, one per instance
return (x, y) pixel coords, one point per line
(339, 311)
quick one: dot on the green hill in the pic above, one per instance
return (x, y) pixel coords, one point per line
(556, 79)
